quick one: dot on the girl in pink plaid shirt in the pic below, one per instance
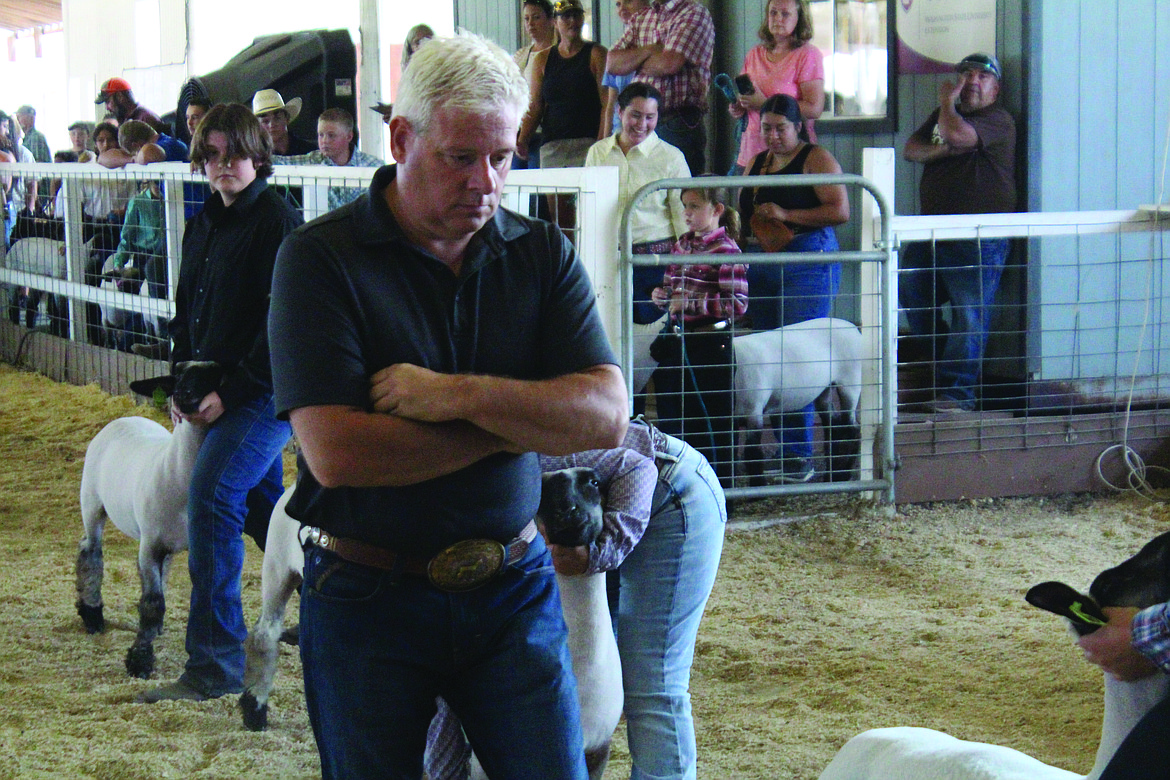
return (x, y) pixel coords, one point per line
(692, 383)
(701, 294)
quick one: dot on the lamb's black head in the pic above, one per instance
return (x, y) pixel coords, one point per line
(570, 506)
(187, 387)
(1142, 581)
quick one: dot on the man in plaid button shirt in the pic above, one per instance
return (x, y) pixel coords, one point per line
(670, 45)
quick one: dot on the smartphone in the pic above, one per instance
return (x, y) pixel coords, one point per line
(743, 83)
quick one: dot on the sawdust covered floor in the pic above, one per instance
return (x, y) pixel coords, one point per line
(817, 629)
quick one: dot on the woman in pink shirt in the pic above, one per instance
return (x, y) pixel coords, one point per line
(785, 63)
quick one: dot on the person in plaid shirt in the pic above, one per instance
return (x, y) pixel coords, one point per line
(692, 383)
(670, 46)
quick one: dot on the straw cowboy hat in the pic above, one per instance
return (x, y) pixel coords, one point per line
(268, 100)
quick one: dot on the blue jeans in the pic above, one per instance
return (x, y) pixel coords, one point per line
(965, 273)
(10, 210)
(238, 472)
(786, 294)
(686, 131)
(377, 647)
(665, 582)
(1143, 753)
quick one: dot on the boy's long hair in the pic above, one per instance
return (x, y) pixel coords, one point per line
(245, 137)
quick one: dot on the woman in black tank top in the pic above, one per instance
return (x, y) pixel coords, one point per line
(802, 208)
(565, 93)
(786, 294)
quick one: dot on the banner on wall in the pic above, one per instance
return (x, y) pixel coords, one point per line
(935, 34)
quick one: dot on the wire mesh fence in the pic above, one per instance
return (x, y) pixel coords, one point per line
(1075, 351)
(1079, 323)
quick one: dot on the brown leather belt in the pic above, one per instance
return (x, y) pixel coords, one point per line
(463, 566)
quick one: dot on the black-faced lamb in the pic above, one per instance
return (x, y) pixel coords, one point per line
(926, 754)
(137, 474)
(570, 514)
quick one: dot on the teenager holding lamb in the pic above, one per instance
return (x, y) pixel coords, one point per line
(662, 536)
(1133, 645)
(221, 314)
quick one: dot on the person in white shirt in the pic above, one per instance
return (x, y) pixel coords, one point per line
(642, 157)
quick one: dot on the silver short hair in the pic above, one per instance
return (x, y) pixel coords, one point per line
(466, 72)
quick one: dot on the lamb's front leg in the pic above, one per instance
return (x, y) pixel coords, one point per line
(262, 649)
(153, 564)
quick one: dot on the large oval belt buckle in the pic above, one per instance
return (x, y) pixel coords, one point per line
(466, 565)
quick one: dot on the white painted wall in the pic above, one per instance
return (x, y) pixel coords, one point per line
(38, 82)
(157, 45)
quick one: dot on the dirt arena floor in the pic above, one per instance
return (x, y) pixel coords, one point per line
(841, 619)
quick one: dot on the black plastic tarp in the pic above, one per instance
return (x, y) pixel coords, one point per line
(318, 66)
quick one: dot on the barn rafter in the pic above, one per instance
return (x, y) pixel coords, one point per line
(18, 16)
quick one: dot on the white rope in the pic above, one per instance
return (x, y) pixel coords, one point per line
(1137, 472)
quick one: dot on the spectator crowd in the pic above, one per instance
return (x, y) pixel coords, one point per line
(640, 106)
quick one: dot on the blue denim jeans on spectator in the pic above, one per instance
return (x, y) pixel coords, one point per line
(10, 210)
(786, 294)
(686, 131)
(665, 582)
(238, 471)
(966, 274)
(378, 646)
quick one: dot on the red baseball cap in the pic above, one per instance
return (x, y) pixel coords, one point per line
(110, 87)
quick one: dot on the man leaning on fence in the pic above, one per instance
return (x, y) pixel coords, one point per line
(968, 146)
(336, 147)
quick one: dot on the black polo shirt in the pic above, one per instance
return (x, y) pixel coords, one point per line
(351, 295)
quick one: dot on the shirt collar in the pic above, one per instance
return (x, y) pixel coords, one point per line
(718, 234)
(376, 224)
(647, 146)
(243, 202)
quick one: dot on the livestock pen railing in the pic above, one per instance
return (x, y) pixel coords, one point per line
(866, 300)
(78, 324)
(1076, 359)
(1075, 382)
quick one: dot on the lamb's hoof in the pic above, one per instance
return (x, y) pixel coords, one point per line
(92, 617)
(140, 661)
(596, 760)
(255, 715)
(291, 636)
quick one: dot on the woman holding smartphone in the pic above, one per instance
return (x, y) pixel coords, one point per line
(785, 63)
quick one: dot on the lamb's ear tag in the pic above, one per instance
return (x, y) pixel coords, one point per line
(1067, 602)
(159, 399)
(1078, 610)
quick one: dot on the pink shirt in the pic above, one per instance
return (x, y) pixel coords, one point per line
(710, 292)
(776, 78)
